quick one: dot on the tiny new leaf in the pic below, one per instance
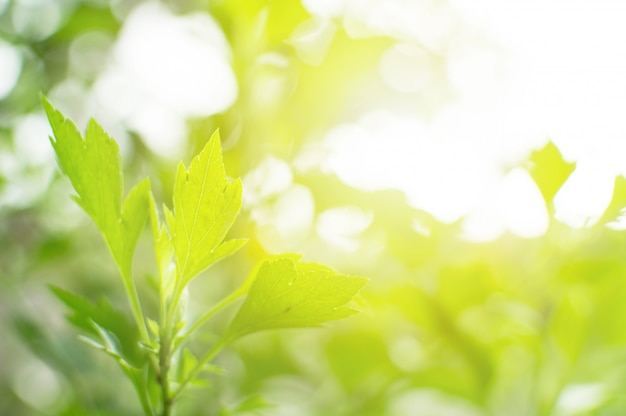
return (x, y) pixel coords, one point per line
(289, 294)
(206, 204)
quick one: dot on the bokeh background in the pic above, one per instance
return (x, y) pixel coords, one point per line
(464, 156)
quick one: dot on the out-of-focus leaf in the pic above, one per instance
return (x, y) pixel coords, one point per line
(85, 313)
(570, 324)
(187, 362)
(461, 288)
(549, 171)
(617, 204)
(252, 404)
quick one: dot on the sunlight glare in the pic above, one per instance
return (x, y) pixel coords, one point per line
(585, 195)
(342, 226)
(514, 89)
(168, 66)
(11, 68)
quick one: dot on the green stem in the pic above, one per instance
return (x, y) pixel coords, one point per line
(171, 308)
(135, 305)
(147, 409)
(133, 298)
(210, 313)
(164, 360)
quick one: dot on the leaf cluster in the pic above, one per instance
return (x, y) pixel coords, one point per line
(281, 292)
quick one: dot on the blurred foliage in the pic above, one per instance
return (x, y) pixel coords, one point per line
(449, 327)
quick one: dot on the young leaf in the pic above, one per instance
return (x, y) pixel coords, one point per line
(206, 204)
(288, 294)
(549, 171)
(93, 166)
(164, 252)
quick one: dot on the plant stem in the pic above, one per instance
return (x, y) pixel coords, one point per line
(133, 298)
(164, 365)
(211, 312)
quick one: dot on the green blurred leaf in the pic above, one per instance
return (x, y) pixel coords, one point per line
(570, 323)
(187, 362)
(252, 404)
(462, 288)
(549, 171)
(86, 313)
(288, 294)
(617, 204)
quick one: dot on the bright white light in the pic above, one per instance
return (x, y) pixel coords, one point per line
(11, 68)
(342, 226)
(586, 194)
(522, 206)
(312, 38)
(406, 68)
(325, 8)
(36, 19)
(287, 221)
(168, 66)
(178, 60)
(38, 386)
(426, 22)
(29, 140)
(580, 398)
(523, 72)
(513, 203)
(272, 176)
(440, 175)
(474, 70)
(162, 129)
(88, 54)
(420, 402)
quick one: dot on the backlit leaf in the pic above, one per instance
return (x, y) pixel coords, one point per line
(618, 202)
(93, 165)
(288, 294)
(549, 171)
(206, 204)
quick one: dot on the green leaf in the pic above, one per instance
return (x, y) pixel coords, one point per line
(549, 171)
(289, 294)
(111, 342)
(93, 165)
(154, 328)
(86, 313)
(250, 405)
(206, 204)
(187, 363)
(617, 204)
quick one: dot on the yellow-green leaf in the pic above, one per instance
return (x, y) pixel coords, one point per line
(93, 165)
(206, 204)
(289, 294)
(549, 171)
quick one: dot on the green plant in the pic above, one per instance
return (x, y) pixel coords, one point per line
(281, 292)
